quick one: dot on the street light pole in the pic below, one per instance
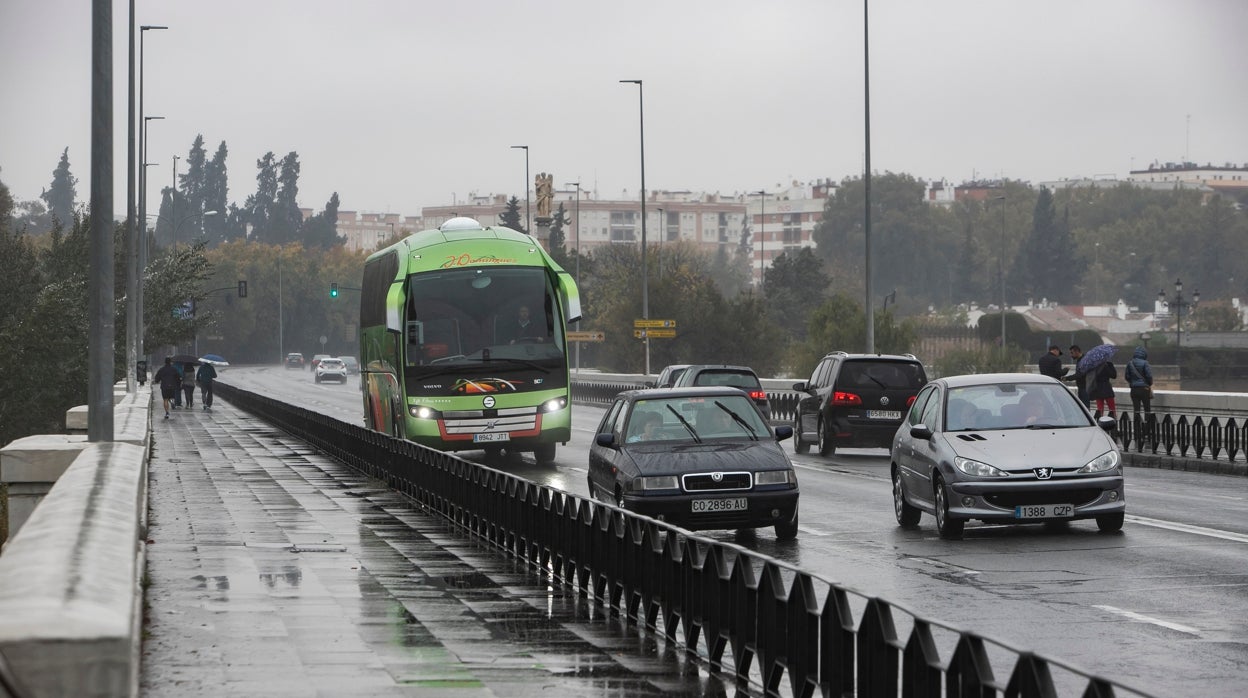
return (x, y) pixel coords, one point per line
(576, 227)
(173, 201)
(132, 240)
(1001, 270)
(528, 216)
(645, 276)
(139, 310)
(866, 179)
(762, 241)
(1178, 304)
(662, 236)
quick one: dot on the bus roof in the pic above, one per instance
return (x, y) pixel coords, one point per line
(465, 233)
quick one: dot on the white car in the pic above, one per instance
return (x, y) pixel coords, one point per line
(331, 370)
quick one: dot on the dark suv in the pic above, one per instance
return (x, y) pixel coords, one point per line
(855, 401)
(741, 377)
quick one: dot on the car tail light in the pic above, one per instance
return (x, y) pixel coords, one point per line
(910, 401)
(839, 398)
(758, 395)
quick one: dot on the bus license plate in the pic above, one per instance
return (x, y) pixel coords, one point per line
(883, 414)
(491, 436)
(1044, 511)
(708, 505)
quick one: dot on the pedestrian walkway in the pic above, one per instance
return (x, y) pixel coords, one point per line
(273, 570)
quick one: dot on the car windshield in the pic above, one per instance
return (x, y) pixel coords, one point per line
(1013, 406)
(694, 419)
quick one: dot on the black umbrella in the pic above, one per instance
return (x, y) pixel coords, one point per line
(185, 359)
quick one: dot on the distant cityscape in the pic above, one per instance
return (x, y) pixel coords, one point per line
(781, 220)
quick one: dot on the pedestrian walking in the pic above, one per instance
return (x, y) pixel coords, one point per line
(1139, 376)
(1051, 363)
(188, 384)
(1102, 389)
(205, 375)
(169, 381)
(177, 394)
(1079, 378)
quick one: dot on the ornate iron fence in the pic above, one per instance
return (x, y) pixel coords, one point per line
(753, 618)
(1183, 436)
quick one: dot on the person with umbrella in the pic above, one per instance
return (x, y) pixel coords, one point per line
(205, 376)
(1096, 364)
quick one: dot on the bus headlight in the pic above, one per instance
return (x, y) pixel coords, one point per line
(554, 405)
(421, 412)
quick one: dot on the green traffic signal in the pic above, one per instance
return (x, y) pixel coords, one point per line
(333, 290)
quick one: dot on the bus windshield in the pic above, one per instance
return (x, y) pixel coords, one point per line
(496, 319)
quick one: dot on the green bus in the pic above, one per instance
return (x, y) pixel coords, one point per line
(462, 341)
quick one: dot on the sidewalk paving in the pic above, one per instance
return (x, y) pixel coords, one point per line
(273, 570)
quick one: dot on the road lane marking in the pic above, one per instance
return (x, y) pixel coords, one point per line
(1188, 528)
(1141, 618)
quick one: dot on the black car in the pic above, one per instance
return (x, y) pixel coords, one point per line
(700, 458)
(669, 374)
(855, 400)
(741, 377)
(294, 360)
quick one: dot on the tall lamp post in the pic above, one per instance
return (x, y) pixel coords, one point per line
(576, 227)
(140, 324)
(762, 241)
(1177, 303)
(1001, 270)
(528, 217)
(662, 237)
(132, 238)
(645, 276)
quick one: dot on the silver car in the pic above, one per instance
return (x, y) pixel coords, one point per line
(1005, 448)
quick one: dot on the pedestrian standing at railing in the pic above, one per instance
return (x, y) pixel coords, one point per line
(1139, 377)
(1102, 389)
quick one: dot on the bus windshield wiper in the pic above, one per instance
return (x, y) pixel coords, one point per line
(508, 359)
(685, 422)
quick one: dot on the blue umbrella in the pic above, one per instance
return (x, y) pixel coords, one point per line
(1094, 357)
(213, 357)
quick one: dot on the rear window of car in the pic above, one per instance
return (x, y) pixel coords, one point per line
(331, 363)
(735, 379)
(890, 375)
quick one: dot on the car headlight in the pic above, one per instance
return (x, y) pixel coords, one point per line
(656, 482)
(977, 469)
(1103, 462)
(554, 405)
(775, 477)
(421, 412)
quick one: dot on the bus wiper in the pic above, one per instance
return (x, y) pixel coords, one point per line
(522, 362)
(688, 427)
(737, 418)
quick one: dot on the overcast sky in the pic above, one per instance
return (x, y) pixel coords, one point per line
(400, 104)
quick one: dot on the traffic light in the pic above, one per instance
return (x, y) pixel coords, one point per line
(333, 290)
(242, 289)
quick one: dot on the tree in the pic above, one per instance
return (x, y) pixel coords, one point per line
(510, 217)
(61, 196)
(839, 324)
(258, 206)
(321, 230)
(1046, 267)
(217, 228)
(285, 218)
(796, 285)
(194, 185)
(557, 245)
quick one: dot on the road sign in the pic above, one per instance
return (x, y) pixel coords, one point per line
(586, 336)
(655, 334)
(644, 324)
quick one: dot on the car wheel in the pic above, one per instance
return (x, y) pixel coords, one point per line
(799, 446)
(1110, 523)
(544, 453)
(826, 445)
(948, 527)
(907, 515)
(787, 530)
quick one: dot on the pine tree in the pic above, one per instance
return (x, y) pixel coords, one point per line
(321, 230)
(62, 194)
(557, 246)
(285, 219)
(193, 183)
(510, 217)
(216, 193)
(258, 206)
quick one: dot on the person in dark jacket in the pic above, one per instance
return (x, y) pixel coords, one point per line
(1102, 390)
(1051, 363)
(1139, 376)
(1079, 379)
(204, 376)
(170, 382)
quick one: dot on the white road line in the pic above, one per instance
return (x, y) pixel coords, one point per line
(1188, 528)
(1141, 618)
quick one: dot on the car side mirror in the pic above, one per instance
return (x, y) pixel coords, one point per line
(650, 384)
(921, 431)
(800, 387)
(1107, 423)
(784, 431)
(606, 439)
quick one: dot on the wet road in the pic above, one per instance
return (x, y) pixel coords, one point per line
(1163, 605)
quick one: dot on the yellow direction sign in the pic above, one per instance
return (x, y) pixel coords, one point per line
(644, 324)
(586, 336)
(655, 334)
